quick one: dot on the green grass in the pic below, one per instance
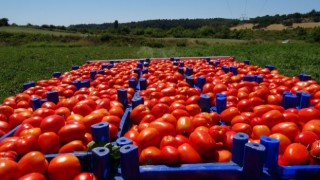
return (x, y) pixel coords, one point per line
(32, 30)
(20, 64)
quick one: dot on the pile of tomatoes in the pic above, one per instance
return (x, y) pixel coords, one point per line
(61, 127)
(169, 127)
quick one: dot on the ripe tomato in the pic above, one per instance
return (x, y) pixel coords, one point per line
(306, 138)
(150, 156)
(193, 109)
(228, 114)
(170, 119)
(85, 176)
(272, 117)
(218, 133)
(52, 123)
(184, 125)
(138, 113)
(9, 169)
(170, 155)
(169, 141)
(48, 142)
(160, 109)
(64, 166)
(82, 109)
(188, 155)
(177, 113)
(33, 176)
(91, 119)
(202, 142)
(284, 141)
(117, 111)
(26, 144)
(71, 132)
(149, 137)
(307, 114)
(296, 154)
(34, 121)
(164, 128)
(132, 134)
(224, 156)
(288, 129)
(33, 161)
(242, 127)
(312, 125)
(73, 146)
(43, 112)
(260, 130)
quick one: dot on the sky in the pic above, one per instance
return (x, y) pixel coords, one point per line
(69, 12)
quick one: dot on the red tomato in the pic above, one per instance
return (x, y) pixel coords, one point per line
(260, 130)
(149, 137)
(224, 156)
(63, 111)
(228, 114)
(116, 110)
(132, 134)
(43, 112)
(229, 137)
(307, 114)
(184, 125)
(244, 105)
(272, 117)
(147, 118)
(164, 128)
(181, 139)
(188, 155)
(34, 121)
(26, 144)
(160, 109)
(64, 166)
(82, 109)
(284, 141)
(15, 119)
(86, 176)
(150, 156)
(48, 142)
(6, 110)
(193, 109)
(52, 123)
(169, 141)
(202, 142)
(288, 129)
(73, 146)
(33, 176)
(170, 119)
(218, 133)
(306, 138)
(296, 154)
(33, 161)
(71, 132)
(312, 125)
(170, 155)
(242, 127)
(177, 113)
(138, 113)
(9, 169)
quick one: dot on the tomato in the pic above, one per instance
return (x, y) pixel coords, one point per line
(33, 176)
(33, 161)
(150, 156)
(132, 134)
(202, 142)
(261, 109)
(306, 138)
(188, 155)
(116, 110)
(169, 141)
(48, 142)
(4, 126)
(164, 128)
(218, 133)
(64, 166)
(193, 109)
(85, 176)
(138, 113)
(291, 117)
(240, 119)
(6, 110)
(160, 109)
(34, 121)
(71, 132)
(103, 103)
(82, 109)
(242, 127)
(284, 141)
(52, 123)
(307, 114)
(193, 99)
(49, 105)
(177, 113)
(32, 131)
(148, 118)
(26, 144)
(63, 111)
(244, 105)
(170, 155)
(296, 154)
(91, 119)
(260, 130)
(148, 137)
(228, 114)
(272, 117)
(15, 119)
(184, 125)
(229, 137)
(312, 125)
(9, 169)
(113, 131)
(170, 119)
(224, 156)
(43, 112)
(181, 139)
(73, 146)
(288, 129)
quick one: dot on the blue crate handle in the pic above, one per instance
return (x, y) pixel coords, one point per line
(123, 97)
(28, 85)
(189, 71)
(181, 64)
(201, 81)
(77, 83)
(140, 65)
(101, 162)
(129, 162)
(56, 74)
(53, 96)
(93, 74)
(35, 103)
(221, 102)
(271, 154)
(133, 83)
(143, 83)
(234, 70)
(74, 67)
(175, 63)
(181, 70)
(145, 71)
(253, 161)
(247, 62)
(238, 144)
(190, 81)
(290, 101)
(305, 100)
(100, 132)
(136, 101)
(101, 71)
(122, 141)
(85, 83)
(205, 102)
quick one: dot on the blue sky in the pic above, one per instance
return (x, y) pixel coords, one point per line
(67, 12)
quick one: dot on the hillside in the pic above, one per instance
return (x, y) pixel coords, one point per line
(277, 26)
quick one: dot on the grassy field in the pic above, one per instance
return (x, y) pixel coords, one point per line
(20, 64)
(31, 30)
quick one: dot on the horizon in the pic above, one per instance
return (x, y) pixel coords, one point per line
(73, 12)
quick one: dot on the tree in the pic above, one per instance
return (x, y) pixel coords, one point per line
(116, 24)
(4, 22)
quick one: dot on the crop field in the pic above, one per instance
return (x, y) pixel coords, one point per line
(20, 64)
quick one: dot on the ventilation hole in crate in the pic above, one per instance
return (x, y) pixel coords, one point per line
(102, 150)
